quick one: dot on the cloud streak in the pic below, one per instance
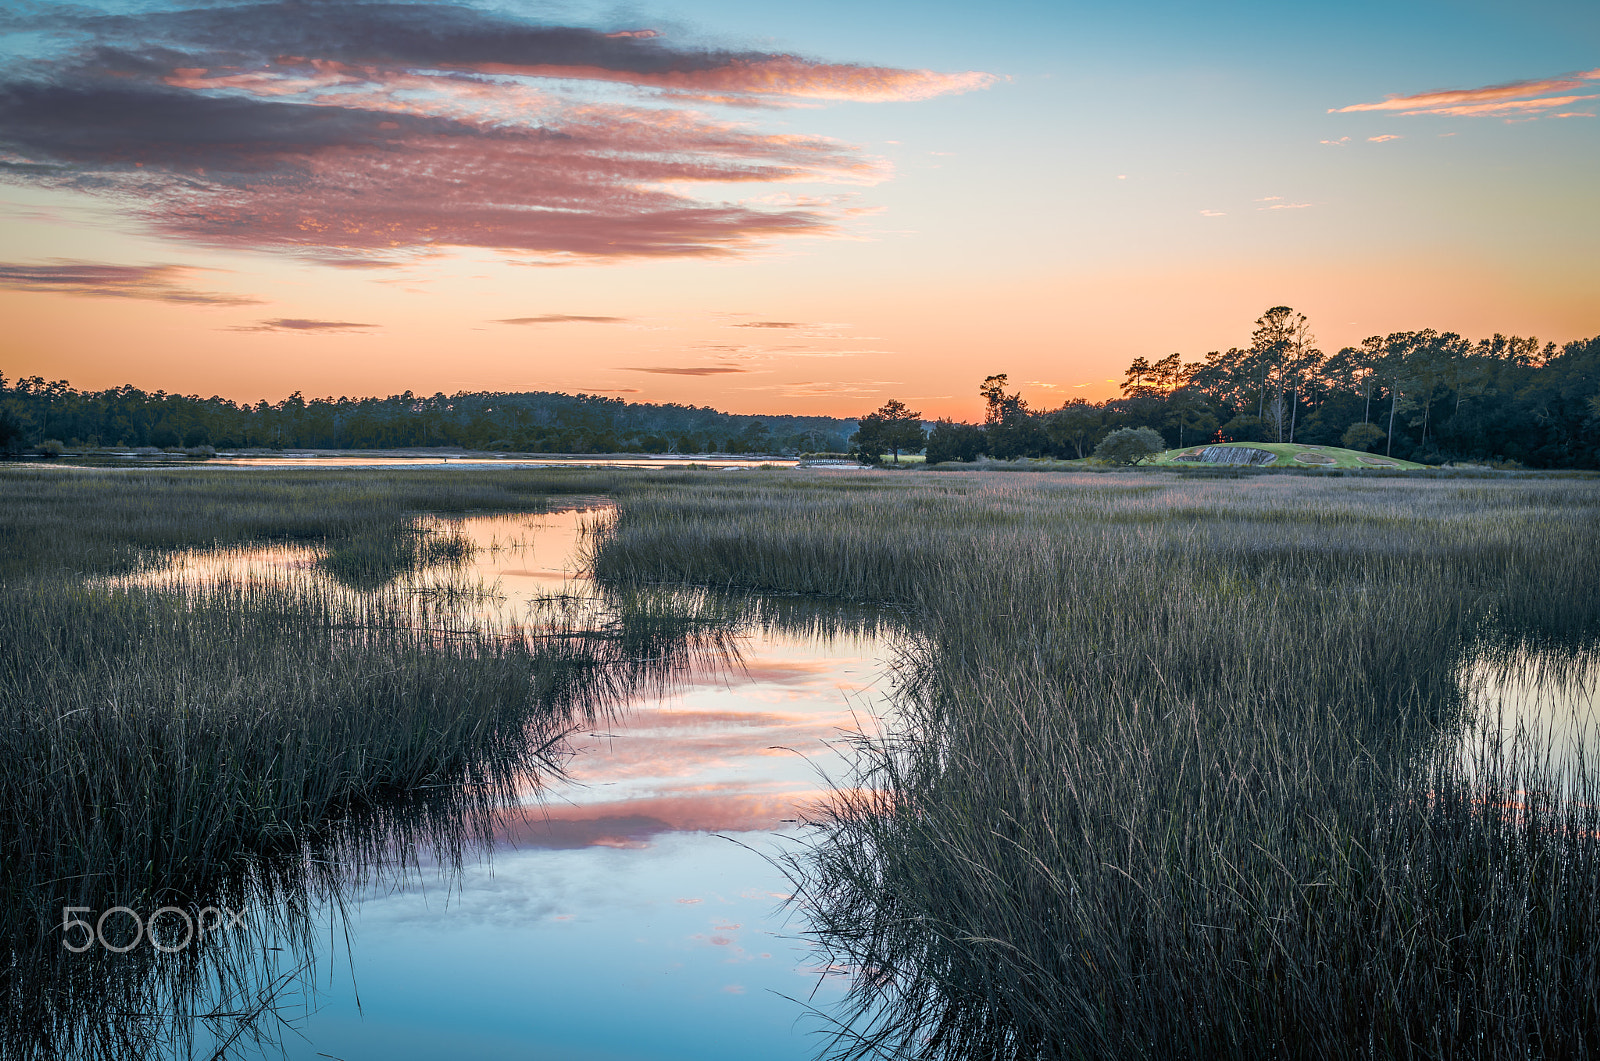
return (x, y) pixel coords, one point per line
(563, 318)
(370, 132)
(303, 326)
(155, 283)
(1512, 99)
(708, 370)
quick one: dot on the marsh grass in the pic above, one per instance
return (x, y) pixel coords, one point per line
(1177, 765)
(257, 743)
(113, 520)
(377, 556)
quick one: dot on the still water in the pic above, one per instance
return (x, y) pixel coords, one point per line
(1545, 699)
(630, 911)
(312, 460)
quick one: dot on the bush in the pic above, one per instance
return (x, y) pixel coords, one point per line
(1362, 436)
(50, 447)
(1129, 445)
(164, 438)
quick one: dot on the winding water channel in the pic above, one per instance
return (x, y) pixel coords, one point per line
(629, 911)
(628, 907)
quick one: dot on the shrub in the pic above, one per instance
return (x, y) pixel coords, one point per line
(1362, 436)
(1129, 445)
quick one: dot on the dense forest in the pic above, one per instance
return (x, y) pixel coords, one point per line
(34, 411)
(1425, 396)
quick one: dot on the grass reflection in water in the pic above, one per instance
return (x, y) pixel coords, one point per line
(1178, 766)
(239, 747)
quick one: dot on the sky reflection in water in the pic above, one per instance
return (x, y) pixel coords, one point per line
(611, 922)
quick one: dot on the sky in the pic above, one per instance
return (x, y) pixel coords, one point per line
(803, 209)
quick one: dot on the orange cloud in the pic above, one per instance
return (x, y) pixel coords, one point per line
(714, 370)
(1516, 97)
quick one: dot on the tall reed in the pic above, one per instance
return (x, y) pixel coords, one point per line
(254, 743)
(1178, 765)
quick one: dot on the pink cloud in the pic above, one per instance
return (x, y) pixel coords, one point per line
(1516, 97)
(782, 76)
(355, 132)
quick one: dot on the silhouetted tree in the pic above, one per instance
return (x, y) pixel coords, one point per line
(1010, 430)
(893, 427)
(11, 432)
(950, 441)
(1074, 427)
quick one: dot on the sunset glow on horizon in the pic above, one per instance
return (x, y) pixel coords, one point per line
(770, 209)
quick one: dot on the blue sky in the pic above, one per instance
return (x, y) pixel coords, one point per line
(1044, 189)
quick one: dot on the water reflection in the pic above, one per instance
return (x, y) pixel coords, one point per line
(1542, 696)
(690, 717)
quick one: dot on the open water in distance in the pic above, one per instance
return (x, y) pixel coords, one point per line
(324, 461)
(629, 914)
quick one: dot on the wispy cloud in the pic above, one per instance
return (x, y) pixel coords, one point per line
(303, 326)
(369, 132)
(156, 283)
(563, 318)
(833, 388)
(336, 262)
(770, 324)
(695, 370)
(1383, 139)
(1511, 99)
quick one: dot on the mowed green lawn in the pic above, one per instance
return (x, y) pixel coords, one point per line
(1296, 455)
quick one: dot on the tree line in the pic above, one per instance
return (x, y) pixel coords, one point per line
(1424, 396)
(34, 411)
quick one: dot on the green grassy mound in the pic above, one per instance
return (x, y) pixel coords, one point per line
(1294, 455)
